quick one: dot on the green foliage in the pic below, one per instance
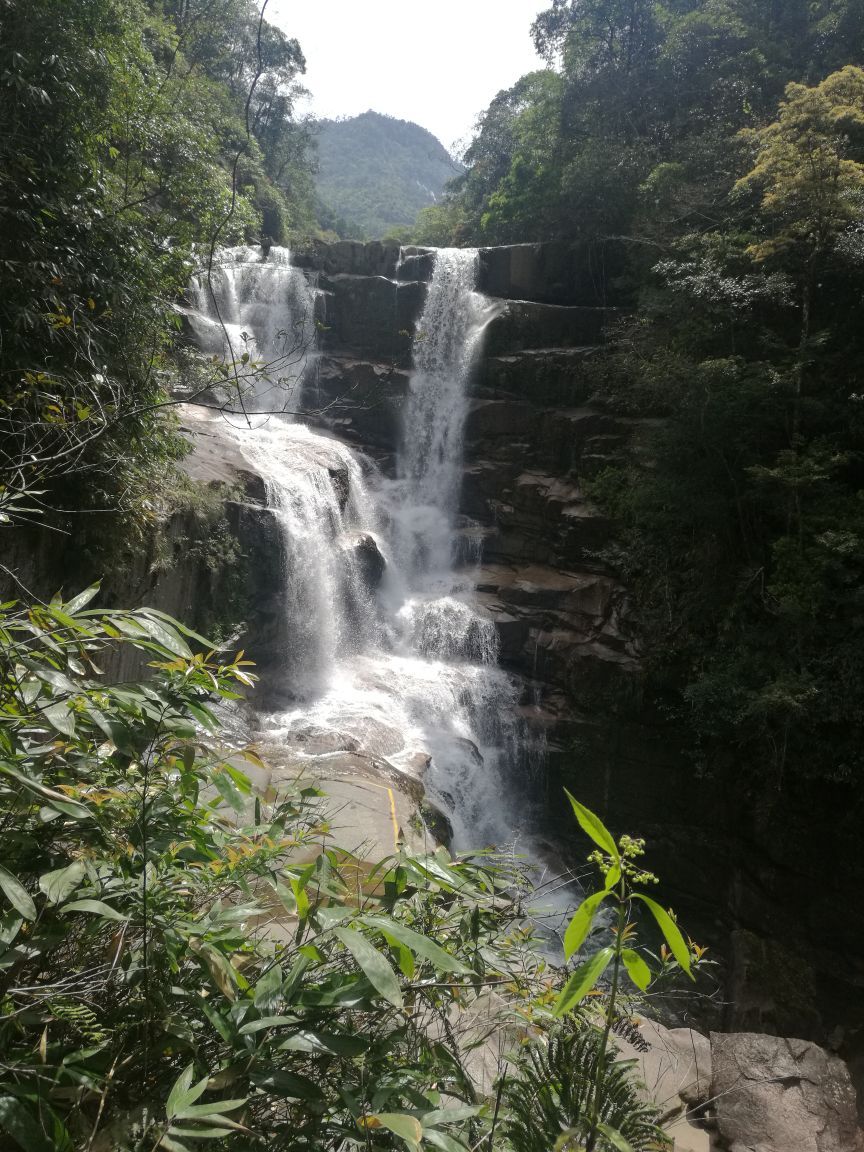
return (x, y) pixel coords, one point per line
(184, 958)
(548, 1102)
(592, 1104)
(124, 142)
(376, 173)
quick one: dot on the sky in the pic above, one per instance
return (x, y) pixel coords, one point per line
(436, 62)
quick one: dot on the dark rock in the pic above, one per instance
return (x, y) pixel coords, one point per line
(360, 399)
(555, 272)
(416, 264)
(349, 257)
(437, 822)
(524, 325)
(365, 558)
(370, 317)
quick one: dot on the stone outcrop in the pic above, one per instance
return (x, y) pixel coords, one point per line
(769, 1094)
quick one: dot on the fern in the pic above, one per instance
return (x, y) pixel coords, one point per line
(547, 1104)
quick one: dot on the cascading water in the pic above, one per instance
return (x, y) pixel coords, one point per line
(384, 648)
(259, 308)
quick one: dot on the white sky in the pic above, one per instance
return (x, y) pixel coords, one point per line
(436, 62)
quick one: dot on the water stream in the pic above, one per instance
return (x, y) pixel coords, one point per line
(385, 650)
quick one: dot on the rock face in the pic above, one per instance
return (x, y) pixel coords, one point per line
(776, 1095)
(740, 875)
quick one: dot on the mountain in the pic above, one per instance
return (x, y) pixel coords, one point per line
(375, 173)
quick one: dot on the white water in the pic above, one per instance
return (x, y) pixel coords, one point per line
(408, 669)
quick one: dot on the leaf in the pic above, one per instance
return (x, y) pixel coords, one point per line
(17, 1120)
(162, 632)
(443, 1140)
(268, 990)
(83, 598)
(193, 1111)
(183, 1092)
(339, 1045)
(419, 944)
(582, 981)
(57, 885)
(267, 1022)
(580, 925)
(17, 894)
(615, 1138)
(286, 1084)
(56, 800)
(97, 907)
(375, 967)
(451, 1115)
(637, 969)
(61, 717)
(671, 932)
(400, 1124)
(594, 827)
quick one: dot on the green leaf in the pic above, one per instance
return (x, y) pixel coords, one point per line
(193, 1111)
(406, 1127)
(594, 827)
(268, 990)
(451, 1115)
(267, 1022)
(318, 1042)
(420, 945)
(83, 598)
(671, 932)
(615, 1138)
(162, 632)
(580, 925)
(182, 1092)
(582, 981)
(57, 885)
(375, 967)
(612, 877)
(17, 895)
(443, 1140)
(637, 969)
(61, 717)
(286, 1084)
(56, 800)
(18, 1121)
(97, 907)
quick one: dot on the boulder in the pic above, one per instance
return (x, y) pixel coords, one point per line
(364, 556)
(772, 1094)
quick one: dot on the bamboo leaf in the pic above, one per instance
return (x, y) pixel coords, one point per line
(594, 827)
(375, 967)
(419, 944)
(17, 895)
(97, 907)
(671, 932)
(83, 598)
(582, 981)
(580, 925)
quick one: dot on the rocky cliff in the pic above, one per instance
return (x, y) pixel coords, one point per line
(756, 881)
(753, 879)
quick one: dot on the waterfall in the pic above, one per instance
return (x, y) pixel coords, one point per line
(258, 315)
(384, 650)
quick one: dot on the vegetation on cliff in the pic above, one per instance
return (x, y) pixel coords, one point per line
(722, 146)
(375, 173)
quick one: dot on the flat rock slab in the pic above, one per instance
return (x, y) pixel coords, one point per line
(772, 1094)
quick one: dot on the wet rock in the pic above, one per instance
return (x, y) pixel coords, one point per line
(437, 822)
(416, 264)
(365, 558)
(370, 317)
(554, 272)
(774, 1095)
(314, 741)
(525, 325)
(349, 257)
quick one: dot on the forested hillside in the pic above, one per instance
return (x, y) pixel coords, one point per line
(375, 173)
(721, 146)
